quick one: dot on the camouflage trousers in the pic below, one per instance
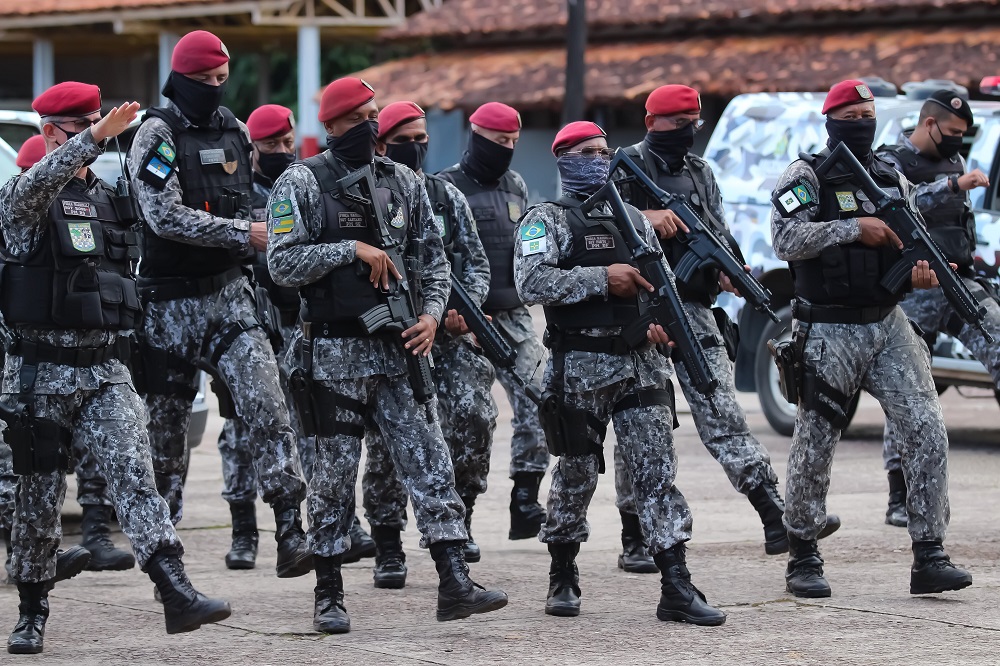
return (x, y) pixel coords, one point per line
(239, 477)
(109, 423)
(413, 438)
(189, 328)
(720, 422)
(528, 452)
(891, 362)
(930, 310)
(468, 416)
(645, 447)
(91, 487)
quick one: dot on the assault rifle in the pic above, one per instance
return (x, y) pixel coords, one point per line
(662, 305)
(493, 343)
(399, 312)
(917, 243)
(704, 247)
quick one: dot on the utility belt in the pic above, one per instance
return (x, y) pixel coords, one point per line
(836, 314)
(157, 290)
(630, 339)
(34, 353)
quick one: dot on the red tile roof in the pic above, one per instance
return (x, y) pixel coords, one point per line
(35, 7)
(467, 19)
(626, 72)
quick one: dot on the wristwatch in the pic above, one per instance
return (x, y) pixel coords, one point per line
(241, 225)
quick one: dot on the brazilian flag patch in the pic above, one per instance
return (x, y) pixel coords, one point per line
(533, 231)
(281, 208)
(166, 151)
(282, 225)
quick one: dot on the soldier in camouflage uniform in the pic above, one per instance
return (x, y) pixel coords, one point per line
(579, 268)
(64, 370)
(849, 335)
(463, 377)
(497, 196)
(673, 116)
(930, 159)
(272, 131)
(329, 248)
(191, 170)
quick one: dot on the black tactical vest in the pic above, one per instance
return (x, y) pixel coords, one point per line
(596, 242)
(703, 287)
(286, 299)
(848, 275)
(82, 274)
(344, 293)
(437, 192)
(951, 224)
(497, 210)
(215, 171)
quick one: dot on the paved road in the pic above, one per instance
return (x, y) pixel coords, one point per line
(111, 618)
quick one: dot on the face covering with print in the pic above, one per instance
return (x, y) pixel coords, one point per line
(582, 175)
(858, 135)
(356, 146)
(485, 160)
(197, 101)
(409, 154)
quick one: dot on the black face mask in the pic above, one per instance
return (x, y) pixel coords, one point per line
(858, 135)
(197, 101)
(356, 146)
(671, 145)
(273, 165)
(409, 154)
(948, 146)
(485, 160)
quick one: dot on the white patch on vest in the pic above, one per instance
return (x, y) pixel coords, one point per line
(789, 201)
(534, 246)
(79, 209)
(600, 242)
(212, 156)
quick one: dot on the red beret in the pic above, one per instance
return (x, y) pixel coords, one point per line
(31, 151)
(198, 51)
(396, 114)
(847, 92)
(576, 132)
(667, 100)
(497, 117)
(342, 96)
(270, 120)
(69, 98)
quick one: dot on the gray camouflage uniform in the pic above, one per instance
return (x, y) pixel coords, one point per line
(596, 382)
(888, 360)
(930, 309)
(466, 408)
(98, 402)
(186, 327)
(371, 370)
(723, 429)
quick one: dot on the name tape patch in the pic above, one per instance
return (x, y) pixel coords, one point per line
(79, 209)
(348, 219)
(600, 242)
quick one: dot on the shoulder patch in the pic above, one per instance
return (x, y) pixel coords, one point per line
(155, 170)
(281, 208)
(535, 246)
(282, 225)
(533, 231)
(797, 196)
(166, 151)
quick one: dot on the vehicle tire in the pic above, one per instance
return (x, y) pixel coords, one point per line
(778, 412)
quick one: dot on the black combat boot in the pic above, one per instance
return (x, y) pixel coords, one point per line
(104, 556)
(330, 616)
(34, 611)
(564, 581)
(680, 600)
(634, 557)
(771, 508)
(362, 545)
(933, 572)
(458, 595)
(69, 563)
(184, 608)
(896, 513)
(804, 575)
(243, 552)
(471, 549)
(294, 558)
(526, 515)
(390, 560)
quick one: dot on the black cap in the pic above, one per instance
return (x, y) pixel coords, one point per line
(952, 102)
